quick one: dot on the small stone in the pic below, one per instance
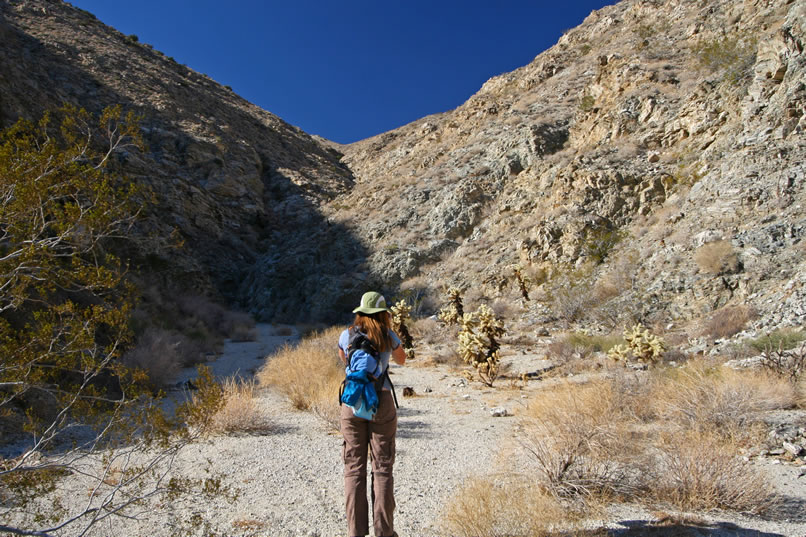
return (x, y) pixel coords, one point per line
(428, 390)
(466, 396)
(794, 449)
(776, 452)
(499, 412)
(408, 391)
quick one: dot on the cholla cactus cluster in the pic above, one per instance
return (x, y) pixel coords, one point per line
(523, 281)
(400, 314)
(478, 342)
(453, 312)
(641, 345)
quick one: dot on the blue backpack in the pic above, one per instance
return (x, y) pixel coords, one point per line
(365, 379)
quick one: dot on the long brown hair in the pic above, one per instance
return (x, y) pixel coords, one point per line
(376, 326)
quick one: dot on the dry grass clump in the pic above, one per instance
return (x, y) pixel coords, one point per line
(309, 373)
(581, 441)
(728, 321)
(240, 412)
(707, 397)
(486, 507)
(717, 257)
(702, 471)
(671, 439)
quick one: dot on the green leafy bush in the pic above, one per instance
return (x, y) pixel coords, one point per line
(781, 339)
(731, 56)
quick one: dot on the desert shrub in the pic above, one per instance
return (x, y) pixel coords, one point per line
(732, 57)
(309, 373)
(486, 507)
(215, 318)
(593, 342)
(419, 295)
(586, 103)
(703, 471)
(782, 339)
(712, 398)
(283, 331)
(640, 345)
(239, 326)
(428, 330)
(728, 321)
(598, 243)
(240, 412)
(717, 257)
(579, 438)
(568, 292)
(162, 354)
(479, 333)
(573, 352)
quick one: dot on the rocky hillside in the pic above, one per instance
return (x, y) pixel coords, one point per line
(236, 183)
(649, 165)
(654, 158)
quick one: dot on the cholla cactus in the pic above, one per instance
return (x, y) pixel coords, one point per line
(523, 281)
(400, 314)
(453, 312)
(641, 345)
(478, 343)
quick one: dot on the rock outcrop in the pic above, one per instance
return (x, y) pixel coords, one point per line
(666, 124)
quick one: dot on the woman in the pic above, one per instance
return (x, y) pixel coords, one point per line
(372, 319)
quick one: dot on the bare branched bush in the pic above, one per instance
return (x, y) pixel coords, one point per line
(240, 412)
(309, 374)
(788, 364)
(484, 507)
(569, 293)
(703, 471)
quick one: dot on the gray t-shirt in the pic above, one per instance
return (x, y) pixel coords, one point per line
(384, 358)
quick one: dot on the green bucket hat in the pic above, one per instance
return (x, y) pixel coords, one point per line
(371, 302)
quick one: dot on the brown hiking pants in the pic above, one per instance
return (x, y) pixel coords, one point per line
(379, 436)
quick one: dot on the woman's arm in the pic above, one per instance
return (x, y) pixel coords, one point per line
(342, 357)
(398, 355)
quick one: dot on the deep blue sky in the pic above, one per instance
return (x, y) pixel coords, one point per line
(351, 69)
